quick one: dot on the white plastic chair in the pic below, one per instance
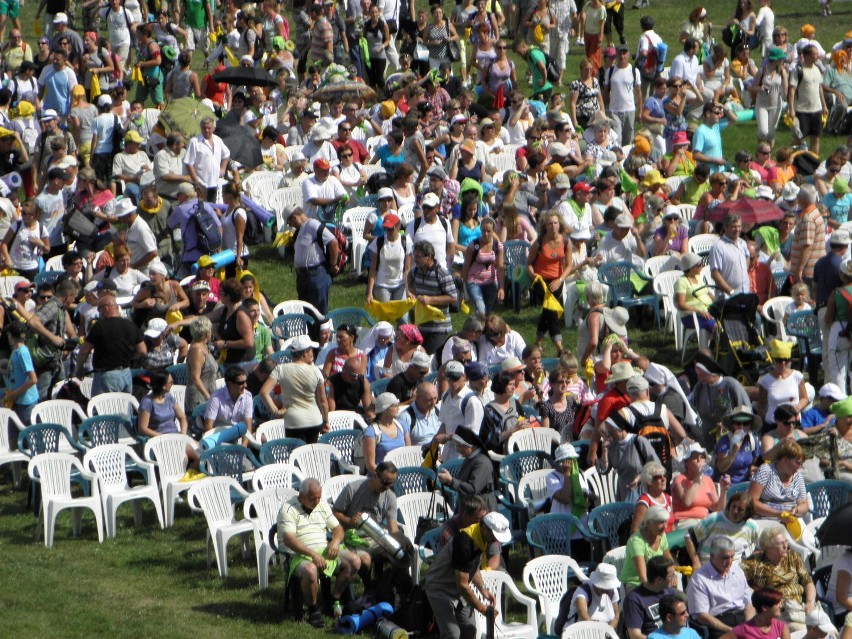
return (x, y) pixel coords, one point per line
(179, 393)
(373, 143)
(260, 185)
(283, 201)
(660, 264)
(355, 219)
(773, 313)
(295, 306)
(345, 420)
(53, 472)
(603, 486)
(10, 427)
(406, 214)
(123, 404)
(532, 490)
(502, 161)
(413, 506)
(58, 411)
(673, 183)
(616, 557)
(7, 284)
(293, 149)
(501, 584)
(664, 283)
(267, 431)
(701, 244)
(546, 577)
(371, 169)
(314, 460)
(54, 264)
(275, 476)
(687, 212)
(405, 456)
(169, 453)
(589, 630)
(533, 439)
(261, 509)
(109, 463)
(332, 488)
(213, 497)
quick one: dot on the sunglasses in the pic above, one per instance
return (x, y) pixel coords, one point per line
(346, 155)
(783, 360)
(793, 422)
(346, 128)
(501, 48)
(833, 169)
(239, 382)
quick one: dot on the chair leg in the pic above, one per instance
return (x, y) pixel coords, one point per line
(137, 512)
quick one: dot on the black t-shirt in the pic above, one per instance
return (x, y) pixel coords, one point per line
(642, 609)
(466, 556)
(401, 387)
(346, 396)
(115, 340)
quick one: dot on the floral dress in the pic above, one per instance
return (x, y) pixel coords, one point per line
(587, 100)
(673, 122)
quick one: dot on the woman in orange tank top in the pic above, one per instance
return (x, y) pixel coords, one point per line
(550, 257)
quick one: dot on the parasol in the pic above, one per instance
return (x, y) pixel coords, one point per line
(242, 142)
(346, 90)
(750, 210)
(835, 529)
(245, 76)
(184, 115)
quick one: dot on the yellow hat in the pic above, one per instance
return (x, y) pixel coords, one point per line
(205, 260)
(553, 170)
(780, 350)
(641, 145)
(808, 31)
(387, 110)
(25, 109)
(652, 178)
(133, 136)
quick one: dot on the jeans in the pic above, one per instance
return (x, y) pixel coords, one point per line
(483, 296)
(47, 379)
(623, 125)
(115, 381)
(24, 413)
(312, 285)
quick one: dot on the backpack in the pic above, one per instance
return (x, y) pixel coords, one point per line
(550, 66)
(380, 242)
(208, 235)
(651, 64)
(117, 135)
(652, 428)
(342, 247)
(253, 233)
(492, 427)
(29, 133)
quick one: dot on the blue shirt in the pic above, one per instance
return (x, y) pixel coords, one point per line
(389, 161)
(103, 128)
(57, 88)
(708, 140)
(181, 216)
(385, 443)
(814, 417)
(424, 428)
(838, 207)
(20, 366)
(685, 633)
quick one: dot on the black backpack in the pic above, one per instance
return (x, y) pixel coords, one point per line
(342, 247)
(550, 66)
(207, 232)
(652, 428)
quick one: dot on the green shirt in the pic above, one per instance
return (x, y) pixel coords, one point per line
(637, 546)
(537, 62)
(196, 14)
(692, 191)
(262, 340)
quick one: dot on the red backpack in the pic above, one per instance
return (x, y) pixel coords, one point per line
(342, 248)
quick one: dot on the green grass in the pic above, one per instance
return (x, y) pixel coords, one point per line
(153, 583)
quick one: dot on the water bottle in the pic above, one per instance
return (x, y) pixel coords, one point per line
(367, 525)
(337, 609)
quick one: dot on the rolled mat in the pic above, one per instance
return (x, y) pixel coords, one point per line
(220, 259)
(746, 115)
(224, 436)
(520, 275)
(350, 624)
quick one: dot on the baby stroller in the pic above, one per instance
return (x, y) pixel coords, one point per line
(739, 348)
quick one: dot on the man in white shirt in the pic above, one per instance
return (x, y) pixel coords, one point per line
(140, 238)
(685, 67)
(321, 190)
(729, 258)
(622, 95)
(648, 42)
(432, 229)
(207, 158)
(460, 406)
(169, 169)
(622, 242)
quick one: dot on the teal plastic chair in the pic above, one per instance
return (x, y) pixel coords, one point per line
(828, 495)
(804, 326)
(607, 522)
(414, 480)
(358, 317)
(515, 253)
(551, 534)
(618, 276)
(277, 451)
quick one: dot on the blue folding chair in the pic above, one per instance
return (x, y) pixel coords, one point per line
(619, 277)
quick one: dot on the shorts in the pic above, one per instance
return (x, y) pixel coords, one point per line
(10, 8)
(810, 123)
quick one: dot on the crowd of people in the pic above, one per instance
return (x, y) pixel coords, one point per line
(116, 226)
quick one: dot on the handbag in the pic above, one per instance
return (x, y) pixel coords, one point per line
(427, 522)
(455, 51)
(421, 52)
(152, 81)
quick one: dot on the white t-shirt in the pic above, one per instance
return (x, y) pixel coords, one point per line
(390, 271)
(765, 25)
(437, 234)
(117, 22)
(24, 254)
(311, 189)
(140, 240)
(844, 564)
(229, 230)
(685, 68)
(600, 607)
(621, 83)
(581, 228)
(780, 391)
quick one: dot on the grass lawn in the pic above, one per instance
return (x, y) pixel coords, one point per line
(152, 583)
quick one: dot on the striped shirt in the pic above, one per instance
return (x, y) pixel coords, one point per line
(435, 281)
(810, 231)
(308, 528)
(321, 35)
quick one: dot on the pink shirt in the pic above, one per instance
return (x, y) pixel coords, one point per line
(703, 500)
(748, 630)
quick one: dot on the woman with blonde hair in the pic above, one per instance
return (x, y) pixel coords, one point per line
(653, 481)
(511, 226)
(550, 258)
(201, 367)
(80, 121)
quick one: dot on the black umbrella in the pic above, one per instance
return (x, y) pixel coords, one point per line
(835, 529)
(242, 142)
(245, 76)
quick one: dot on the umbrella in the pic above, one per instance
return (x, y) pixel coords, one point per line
(835, 529)
(184, 115)
(348, 90)
(750, 210)
(242, 142)
(245, 76)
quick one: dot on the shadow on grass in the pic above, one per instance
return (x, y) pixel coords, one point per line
(260, 612)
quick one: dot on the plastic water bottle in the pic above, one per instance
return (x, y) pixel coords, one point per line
(337, 609)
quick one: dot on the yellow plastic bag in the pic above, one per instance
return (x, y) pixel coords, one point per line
(173, 317)
(136, 75)
(389, 311)
(233, 60)
(538, 34)
(550, 302)
(37, 28)
(96, 86)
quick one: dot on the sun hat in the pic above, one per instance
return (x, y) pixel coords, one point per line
(689, 260)
(155, 327)
(421, 360)
(499, 527)
(554, 170)
(565, 451)
(842, 408)
(616, 320)
(469, 146)
(840, 186)
(765, 192)
(605, 577)
(680, 138)
(49, 114)
(620, 372)
(840, 237)
(817, 618)
(302, 343)
(385, 401)
(691, 450)
(512, 364)
(133, 136)
(776, 53)
(743, 414)
(653, 178)
(790, 192)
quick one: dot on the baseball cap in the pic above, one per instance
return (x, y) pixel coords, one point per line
(624, 221)
(200, 285)
(583, 187)
(156, 327)
(437, 172)
(499, 526)
(458, 119)
(60, 18)
(322, 164)
(104, 99)
(385, 194)
(133, 136)
(49, 114)
(24, 286)
(828, 390)
(389, 221)
(421, 360)
(430, 200)
(475, 371)
(454, 370)
(302, 343)
(637, 384)
(205, 260)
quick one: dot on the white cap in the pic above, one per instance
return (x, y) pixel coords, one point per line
(60, 18)
(156, 327)
(158, 267)
(565, 451)
(430, 200)
(833, 391)
(385, 194)
(624, 221)
(302, 343)
(104, 99)
(499, 526)
(817, 618)
(693, 448)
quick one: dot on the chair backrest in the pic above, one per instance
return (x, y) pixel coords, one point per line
(687, 212)
(552, 533)
(350, 315)
(169, 453)
(355, 219)
(617, 276)
(609, 520)
(108, 461)
(515, 252)
(179, 393)
(112, 404)
(415, 505)
(100, 430)
(226, 460)
(53, 471)
(58, 411)
(515, 465)
(345, 420)
(295, 306)
(262, 507)
(278, 451)
(405, 214)
(405, 456)
(702, 243)
(804, 325)
(8, 439)
(8, 283)
(212, 496)
(275, 476)
(828, 495)
(331, 488)
(773, 310)
(664, 283)
(179, 373)
(659, 264)
(548, 575)
(379, 386)
(39, 439)
(269, 430)
(616, 557)
(413, 480)
(589, 630)
(314, 460)
(343, 440)
(543, 439)
(290, 325)
(602, 485)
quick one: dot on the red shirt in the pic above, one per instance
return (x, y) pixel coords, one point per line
(761, 281)
(359, 153)
(613, 400)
